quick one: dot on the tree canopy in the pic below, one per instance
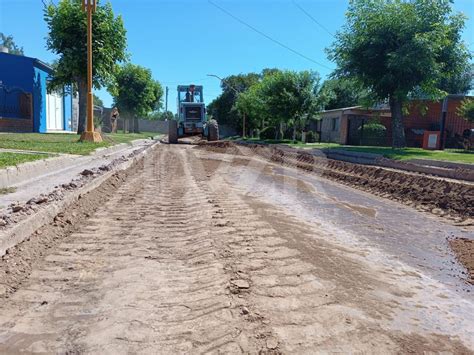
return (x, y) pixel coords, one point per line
(343, 92)
(67, 37)
(466, 110)
(223, 107)
(135, 92)
(282, 98)
(9, 43)
(396, 46)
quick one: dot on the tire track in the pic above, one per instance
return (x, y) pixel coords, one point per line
(142, 275)
(307, 293)
(179, 261)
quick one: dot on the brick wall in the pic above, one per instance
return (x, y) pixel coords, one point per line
(16, 125)
(426, 115)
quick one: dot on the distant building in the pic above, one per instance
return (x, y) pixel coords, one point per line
(343, 125)
(346, 125)
(25, 105)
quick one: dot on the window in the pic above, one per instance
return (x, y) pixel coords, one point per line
(335, 124)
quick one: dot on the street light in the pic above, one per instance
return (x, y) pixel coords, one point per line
(90, 135)
(238, 93)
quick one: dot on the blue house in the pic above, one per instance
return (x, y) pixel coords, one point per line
(25, 105)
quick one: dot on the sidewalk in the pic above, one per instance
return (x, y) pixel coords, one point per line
(42, 176)
(451, 170)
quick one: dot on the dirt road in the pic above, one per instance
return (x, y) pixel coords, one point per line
(206, 252)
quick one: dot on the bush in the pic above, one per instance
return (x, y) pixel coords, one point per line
(268, 133)
(373, 134)
(466, 110)
(311, 137)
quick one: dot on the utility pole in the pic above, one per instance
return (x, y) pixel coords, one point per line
(166, 104)
(442, 125)
(90, 135)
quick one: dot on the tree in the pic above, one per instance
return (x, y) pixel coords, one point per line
(343, 92)
(135, 92)
(253, 106)
(67, 37)
(395, 46)
(282, 98)
(223, 107)
(460, 83)
(8, 42)
(290, 98)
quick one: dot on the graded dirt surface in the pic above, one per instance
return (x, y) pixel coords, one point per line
(448, 198)
(203, 252)
(464, 249)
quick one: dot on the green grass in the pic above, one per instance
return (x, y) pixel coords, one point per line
(452, 155)
(7, 190)
(63, 143)
(12, 159)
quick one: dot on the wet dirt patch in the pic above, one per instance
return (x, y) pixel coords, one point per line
(464, 251)
(441, 197)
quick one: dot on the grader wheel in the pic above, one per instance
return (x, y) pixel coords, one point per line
(213, 134)
(172, 132)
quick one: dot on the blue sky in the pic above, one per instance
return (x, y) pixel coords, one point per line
(182, 41)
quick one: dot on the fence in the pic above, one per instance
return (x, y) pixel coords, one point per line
(16, 110)
(143, 125)
(15, 103)
(459, 132)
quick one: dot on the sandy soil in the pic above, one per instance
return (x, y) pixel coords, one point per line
(464, 249)
(177, 259)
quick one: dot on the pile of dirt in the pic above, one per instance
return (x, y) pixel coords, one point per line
(464, 250)
(220, 146)
(442, 197)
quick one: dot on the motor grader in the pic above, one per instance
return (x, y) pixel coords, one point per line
(191, 119)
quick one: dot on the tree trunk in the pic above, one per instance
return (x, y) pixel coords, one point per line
(82, 88)
(135, 125)
(398, 131)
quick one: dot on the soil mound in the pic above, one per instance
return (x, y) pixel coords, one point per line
(439, 196)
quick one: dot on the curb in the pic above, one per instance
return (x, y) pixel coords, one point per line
(14, 175)
(19, 232)
(436, 168)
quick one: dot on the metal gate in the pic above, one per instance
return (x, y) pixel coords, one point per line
(15, 103)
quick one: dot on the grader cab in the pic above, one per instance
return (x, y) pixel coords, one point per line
(191, 118)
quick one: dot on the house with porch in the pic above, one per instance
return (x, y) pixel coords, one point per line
(345, 125)
(25, 104)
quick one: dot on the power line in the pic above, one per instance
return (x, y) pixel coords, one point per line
(267, 36)
(312, 18)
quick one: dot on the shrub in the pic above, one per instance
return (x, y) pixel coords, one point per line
(311, 137)
(466, 110)
(268, 133)
(373, 134)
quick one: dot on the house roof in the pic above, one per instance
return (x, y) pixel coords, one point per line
(342, 109)
(35, 61)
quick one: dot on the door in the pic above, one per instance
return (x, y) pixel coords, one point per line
(54, 112)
